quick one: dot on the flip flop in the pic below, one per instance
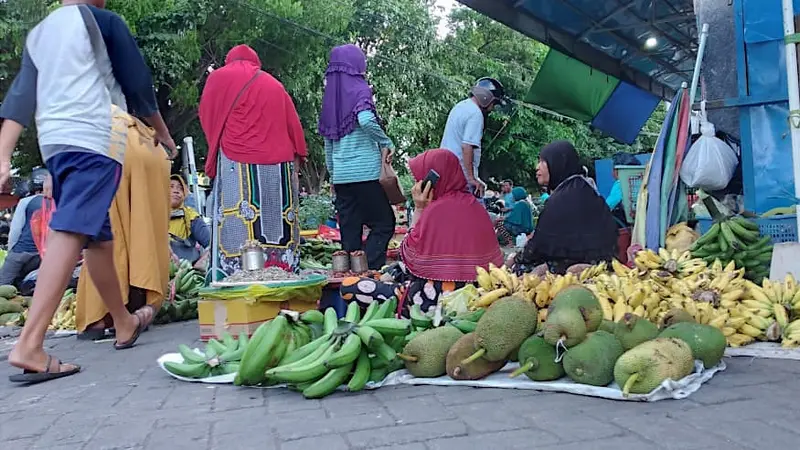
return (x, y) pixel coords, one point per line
(143, 325)
(33, 377)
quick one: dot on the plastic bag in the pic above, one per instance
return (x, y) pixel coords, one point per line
(458, 301)
(680, 237)
(710, 163)
(309, 289)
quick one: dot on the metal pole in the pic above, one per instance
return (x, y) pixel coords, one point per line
(698, 63)
(794, 97)
(192, 169)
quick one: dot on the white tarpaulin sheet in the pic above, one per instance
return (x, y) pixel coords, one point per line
(769, 350)
(669, 389)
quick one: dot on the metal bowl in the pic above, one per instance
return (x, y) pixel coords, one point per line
(252, 259)
(358, 264)
(341, 263)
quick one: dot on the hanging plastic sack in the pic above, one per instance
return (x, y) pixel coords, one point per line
(711, 162)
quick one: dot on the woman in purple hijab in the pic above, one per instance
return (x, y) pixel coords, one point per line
(355, 146)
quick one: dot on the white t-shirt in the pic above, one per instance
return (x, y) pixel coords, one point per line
(464, 126)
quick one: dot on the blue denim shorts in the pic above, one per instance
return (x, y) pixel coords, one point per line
(84, 186)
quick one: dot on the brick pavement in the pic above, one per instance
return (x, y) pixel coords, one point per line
(124, 401)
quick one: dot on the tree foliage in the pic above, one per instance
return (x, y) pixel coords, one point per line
(417, 74)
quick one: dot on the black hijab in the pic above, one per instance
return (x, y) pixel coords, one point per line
(575, 225)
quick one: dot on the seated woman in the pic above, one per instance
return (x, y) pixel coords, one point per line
(450, 235)
(518, 221)
(187, 228)
(575, 225)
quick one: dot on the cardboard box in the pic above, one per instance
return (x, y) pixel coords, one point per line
(237, 315)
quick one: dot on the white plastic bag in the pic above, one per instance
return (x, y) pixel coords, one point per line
(710, 163)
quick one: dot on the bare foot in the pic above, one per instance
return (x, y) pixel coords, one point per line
(128, 335)
(37, 361)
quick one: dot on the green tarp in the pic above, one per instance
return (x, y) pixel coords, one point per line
(570, 87)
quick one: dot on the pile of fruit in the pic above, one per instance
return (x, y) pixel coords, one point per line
(64, 320)
(218, 358)
(739, 240)
(317, 254)
(12, 306)
(181, 302)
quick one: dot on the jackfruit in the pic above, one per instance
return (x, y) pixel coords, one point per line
(537, 361)
(632, 330)
(565, 325)
(592, 361)
(7, 306)
(514, 355)
(674, 316)
(608, 326)
(707, 343)
(644, 367)
(426, 354)
(503, 328)
(578, 297)
(475, 370)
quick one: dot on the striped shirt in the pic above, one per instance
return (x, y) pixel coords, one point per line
(356, 157)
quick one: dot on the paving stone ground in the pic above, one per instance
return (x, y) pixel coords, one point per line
(122, 400)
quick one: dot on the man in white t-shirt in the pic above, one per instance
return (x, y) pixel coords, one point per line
(464, 129)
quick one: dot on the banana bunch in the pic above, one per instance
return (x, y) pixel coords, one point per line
(669, 263)
(739, 240)
(181, 302)
(499, 282)
(64, 318)
(219, 358)
(596, 270)
(619, 295)
(350, 352)
(775, 310)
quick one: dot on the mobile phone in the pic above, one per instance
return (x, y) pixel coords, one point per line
(432, 177)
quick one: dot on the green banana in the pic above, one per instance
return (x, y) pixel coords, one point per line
(709, 237)
(369, 336)
(385, 352)
(724, 244)
(744, 235)
(304, 373)
(726, 231)
(369, 314)
(419, 319)
(360, 373)
(306, 332)
(747, 224)
(398, 343)
(347, 353)
(229, 368)
(190, 356)
(198, 370)
(353, 314)
(244, 340)
(390, 327)
(309, 358)
(217, 346)
(329, 383)
(233, 355)
(305, 350)
(377, 375)
(465, 326)
(291, 346)
(331, 320)
(472, 316)
(259, 351)
(312, 316)
(229, 342)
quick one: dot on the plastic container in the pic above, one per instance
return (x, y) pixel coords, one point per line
(630, 180)
(779, 228)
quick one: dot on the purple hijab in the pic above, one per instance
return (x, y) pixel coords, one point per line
(346, 92)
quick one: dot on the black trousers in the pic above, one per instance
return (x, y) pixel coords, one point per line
(362, 204)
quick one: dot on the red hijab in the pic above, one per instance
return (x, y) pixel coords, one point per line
(257, 125)
(454, 233)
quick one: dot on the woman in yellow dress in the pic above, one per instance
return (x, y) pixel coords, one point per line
(139, 220)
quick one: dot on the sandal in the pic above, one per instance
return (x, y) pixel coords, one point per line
(143, 325)
(33, 377)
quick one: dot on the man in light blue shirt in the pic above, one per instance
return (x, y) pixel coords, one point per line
(464, 129)
(614, 198)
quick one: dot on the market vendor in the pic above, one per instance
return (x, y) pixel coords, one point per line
(187, 228)
(519, 219)
(575, 225)
(450, 235)
(614, 198)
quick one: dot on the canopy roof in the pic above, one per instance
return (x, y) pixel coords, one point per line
(611, 35)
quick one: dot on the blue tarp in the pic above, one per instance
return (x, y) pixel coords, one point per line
(625, 113)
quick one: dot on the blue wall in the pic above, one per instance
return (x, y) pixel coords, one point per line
(763, 101)
(604, 176)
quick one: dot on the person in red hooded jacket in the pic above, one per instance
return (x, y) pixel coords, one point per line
(255, 147)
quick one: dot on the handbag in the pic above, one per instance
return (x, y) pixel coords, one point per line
(390, 182)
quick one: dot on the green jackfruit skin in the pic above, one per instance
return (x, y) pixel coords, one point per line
(707, 343)
(504, 326)
(476, 370)
(430, 347)
(543, 357)
(609, 326)
(592, 361)
(654, 361)
(8, 291)
(632, 330)
(7, 306)
(514, 355)
(564, 323)
(583, 299)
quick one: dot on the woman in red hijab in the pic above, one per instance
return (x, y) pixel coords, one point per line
(255, 147)
(450, 235)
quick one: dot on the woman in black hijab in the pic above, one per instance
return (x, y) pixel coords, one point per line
(575, 225)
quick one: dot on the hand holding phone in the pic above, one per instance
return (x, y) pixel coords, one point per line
(431, 178)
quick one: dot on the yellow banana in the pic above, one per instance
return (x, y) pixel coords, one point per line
(732, 296)
(619, 268)
(719, 321)
(750, 330)
(730, 267)
(728, 331)
(757, 322)
(619, 311)
(780, 315)
(491, 297)
(740, 340)
(608, 310)
(484, 279)
(639, 311)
